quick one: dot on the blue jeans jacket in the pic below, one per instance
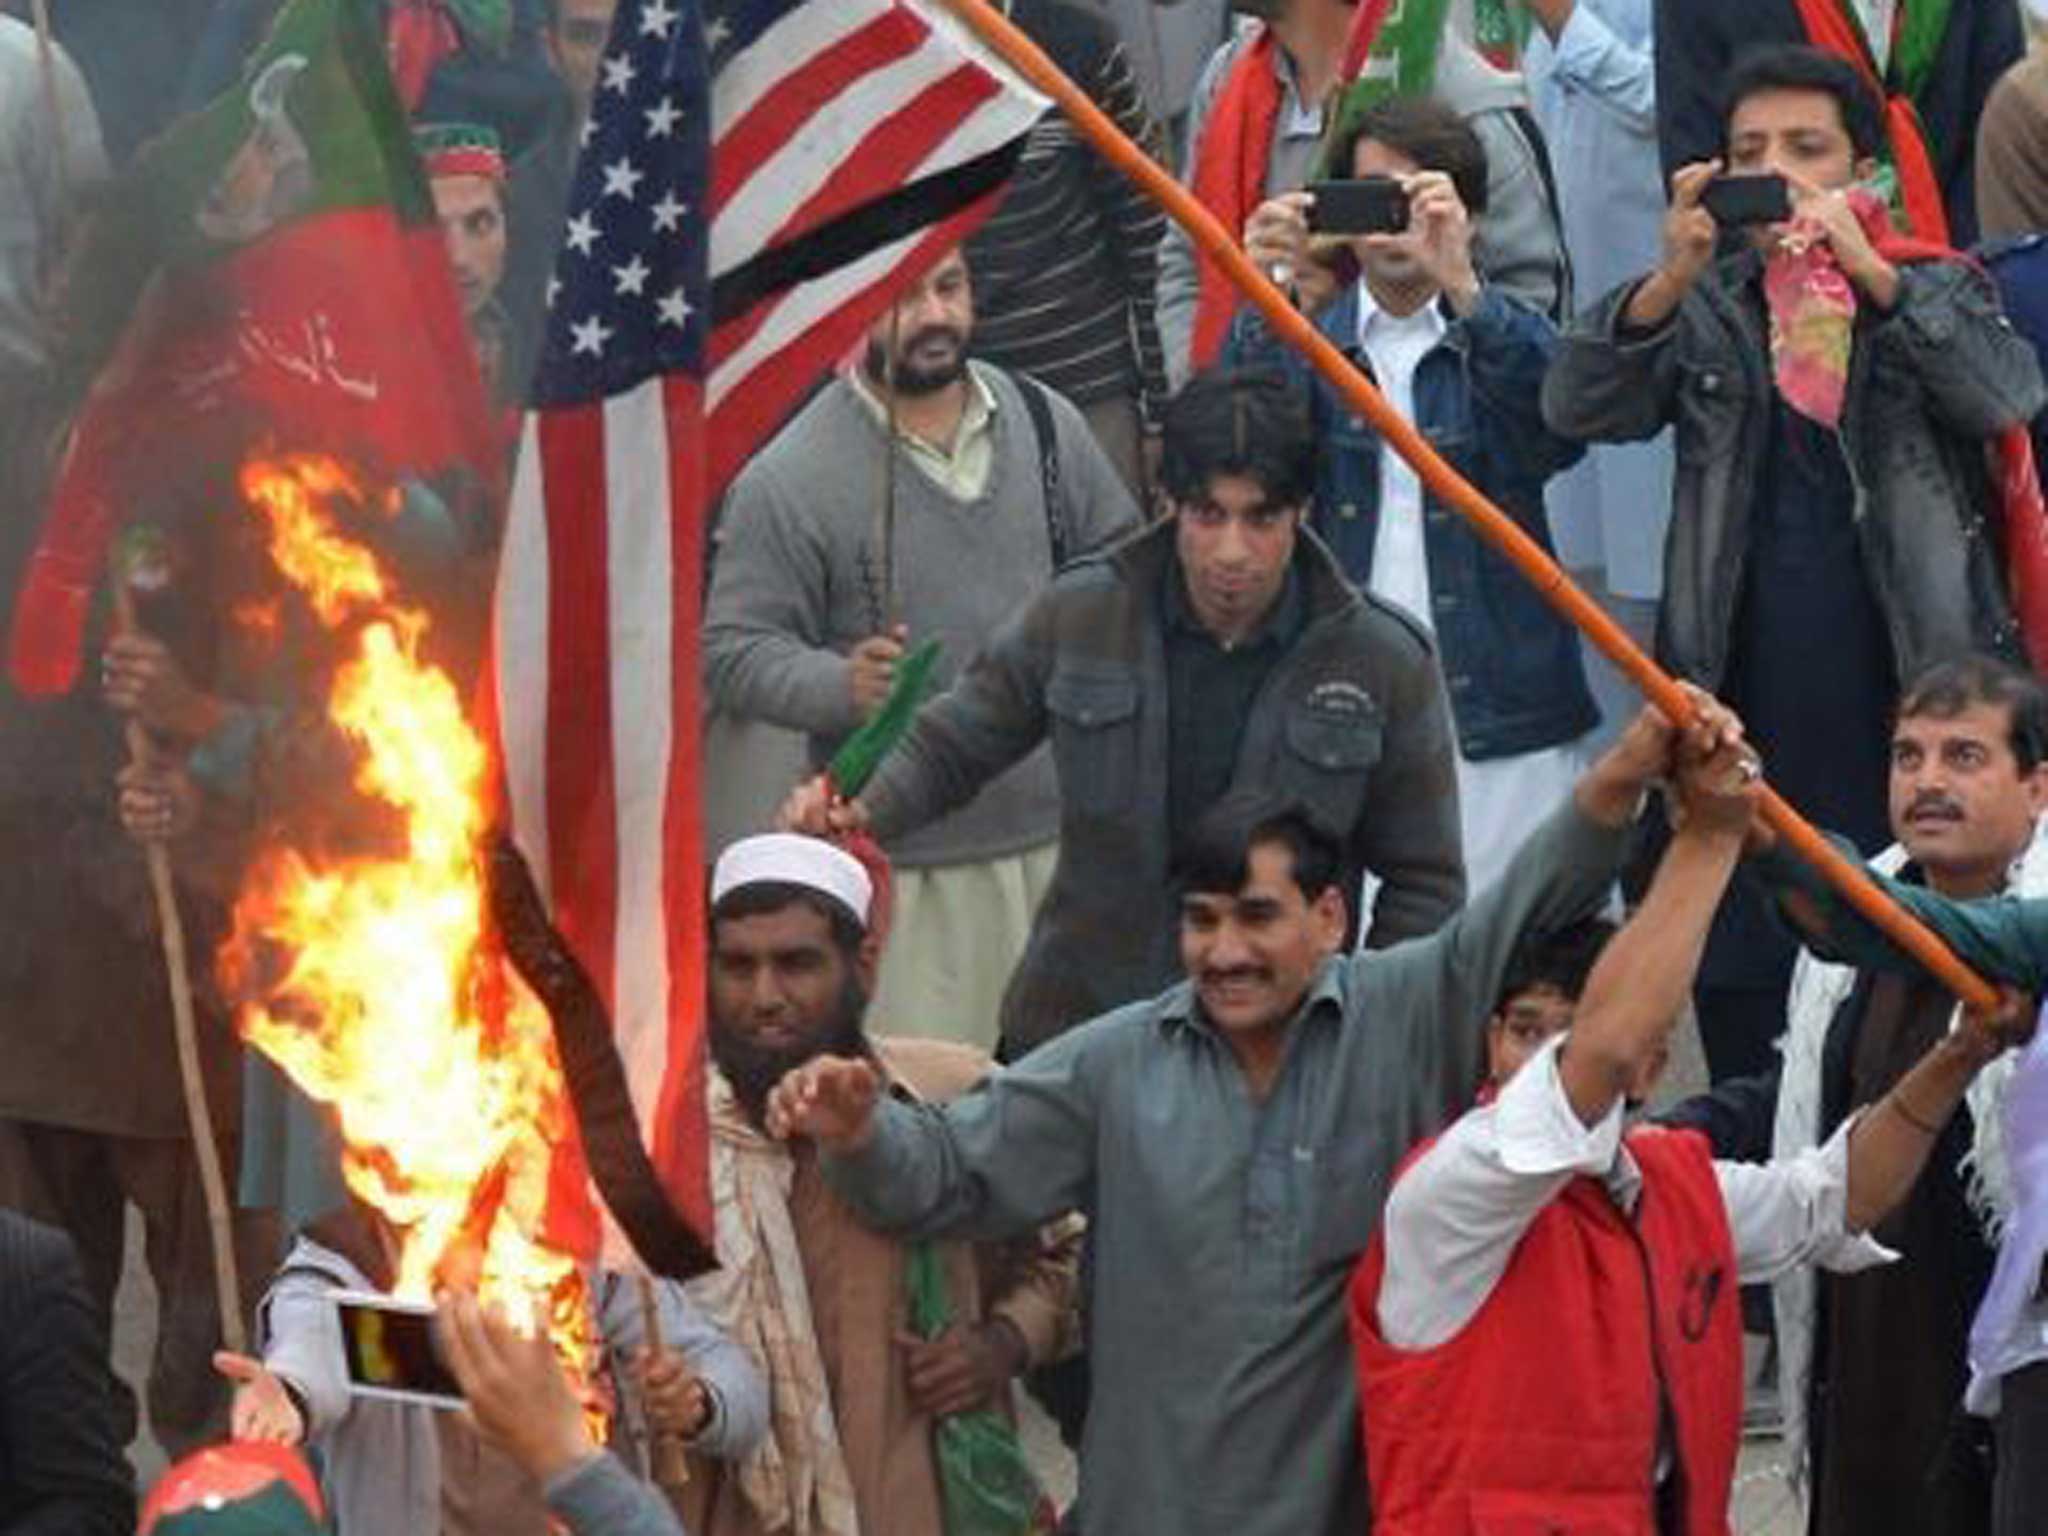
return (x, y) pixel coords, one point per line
(1512, 665)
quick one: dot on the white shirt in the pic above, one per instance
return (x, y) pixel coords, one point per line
(1502, 800)
(1396, 346)
(1456, 1214)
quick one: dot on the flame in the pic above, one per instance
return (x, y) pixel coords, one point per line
(367, 979)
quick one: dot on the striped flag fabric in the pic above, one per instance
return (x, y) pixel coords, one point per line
(757, 181)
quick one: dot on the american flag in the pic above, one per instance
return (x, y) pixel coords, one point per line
(757, 180)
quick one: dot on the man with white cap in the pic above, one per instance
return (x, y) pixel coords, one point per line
(817, 1298)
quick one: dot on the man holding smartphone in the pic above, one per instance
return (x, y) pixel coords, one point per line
(1833, 406)
(1465, 363)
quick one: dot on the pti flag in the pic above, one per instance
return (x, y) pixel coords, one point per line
(269, 271)
(759, 178)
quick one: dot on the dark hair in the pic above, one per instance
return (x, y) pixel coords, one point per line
(763, 897)
(1947, 688)
(1216, 856)
(1239, 421)
(1561, 958)
(1796, 67)
(1425, 131)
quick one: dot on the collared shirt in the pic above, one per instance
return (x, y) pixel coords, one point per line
(1462, 1207)
(1210, 687)
(1226, 1226)
(1395, 345)
(959, 468)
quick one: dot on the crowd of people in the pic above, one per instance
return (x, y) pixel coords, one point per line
(1231, 1012)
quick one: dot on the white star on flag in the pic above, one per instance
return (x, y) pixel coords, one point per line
(668, 213)
(655, 19)
(581, 234)
(632, 277)
(590, 336)
(674, 308)
(662, 119)
(618, 74)
(621, 177)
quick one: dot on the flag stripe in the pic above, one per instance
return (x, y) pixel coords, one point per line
(519, 662)
(801, 35)
(581, 881)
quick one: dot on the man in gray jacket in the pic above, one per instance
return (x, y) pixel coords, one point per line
(1231, 1141)
(993, 482)
(1220, 649)
(1829, 529)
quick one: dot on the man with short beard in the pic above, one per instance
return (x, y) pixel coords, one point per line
(995, 482)
(815, 1297)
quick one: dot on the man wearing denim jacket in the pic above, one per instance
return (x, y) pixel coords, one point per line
(1465, 363)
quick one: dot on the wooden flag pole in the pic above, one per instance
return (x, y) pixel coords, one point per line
(1219, 245)
(185, 1020)
(668, 1456)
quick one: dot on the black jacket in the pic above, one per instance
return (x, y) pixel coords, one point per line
(1698, 40)
(61, 1474)
(1930, 385)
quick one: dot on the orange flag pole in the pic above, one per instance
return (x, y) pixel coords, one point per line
(1448, 486)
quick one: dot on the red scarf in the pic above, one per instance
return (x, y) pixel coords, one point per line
(1829, 27)
(1230, 179)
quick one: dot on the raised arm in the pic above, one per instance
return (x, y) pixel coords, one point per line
(996, 1164)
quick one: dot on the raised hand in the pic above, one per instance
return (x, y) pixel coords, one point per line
(830, 1099)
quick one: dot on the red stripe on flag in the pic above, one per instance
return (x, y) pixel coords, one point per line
(902, 139)
(783, 111)
(756, 406)
(583, 863)
(682, 1133)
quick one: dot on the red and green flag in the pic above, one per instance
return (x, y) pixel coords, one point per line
(268, 275)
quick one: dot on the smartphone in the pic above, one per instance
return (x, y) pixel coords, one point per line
(391, 1353)
(1735, 200)
(1365, 205)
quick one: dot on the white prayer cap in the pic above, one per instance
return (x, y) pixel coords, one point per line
(789, 858)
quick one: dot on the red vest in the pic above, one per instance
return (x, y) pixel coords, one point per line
(1540, 1417)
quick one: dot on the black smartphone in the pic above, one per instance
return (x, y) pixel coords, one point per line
(1736, 200)
(1365, 205)
(391, 1353)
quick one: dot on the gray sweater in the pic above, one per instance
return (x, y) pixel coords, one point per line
(796, 584)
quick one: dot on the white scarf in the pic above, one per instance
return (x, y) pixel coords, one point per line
(1818, 992)
(796, 1480)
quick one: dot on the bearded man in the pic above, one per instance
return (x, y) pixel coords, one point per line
(817, 1299)
(995, 483)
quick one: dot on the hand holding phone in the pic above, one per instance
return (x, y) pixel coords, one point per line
(1362, 205)
(1739, 201)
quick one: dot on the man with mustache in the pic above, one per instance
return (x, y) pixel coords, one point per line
(818, 1299)
(1230, 1141)
(918, 496)
(1873, 1365)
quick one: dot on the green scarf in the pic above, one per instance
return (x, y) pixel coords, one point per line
(1402, 62)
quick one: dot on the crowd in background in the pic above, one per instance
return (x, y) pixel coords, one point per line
(1263, 817)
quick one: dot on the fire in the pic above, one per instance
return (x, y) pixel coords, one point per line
(367, 979)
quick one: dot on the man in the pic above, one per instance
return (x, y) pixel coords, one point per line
(1540, 996)
(466, 175)
(816, 594)
(1873, 1365)
(1169, 41)
(1230, 1141)
(1064, 269)
(1592, 86)
(1938, 61)
(1828, 532)
(1465, 364)
(575, 36)
(1546, 1324)
(1221, 650)
(1262, 101)
(61, 1470)
(818, 1299)
(2011, 168)
(401, 1466)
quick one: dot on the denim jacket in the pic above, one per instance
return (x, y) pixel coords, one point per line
(1512, 665)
